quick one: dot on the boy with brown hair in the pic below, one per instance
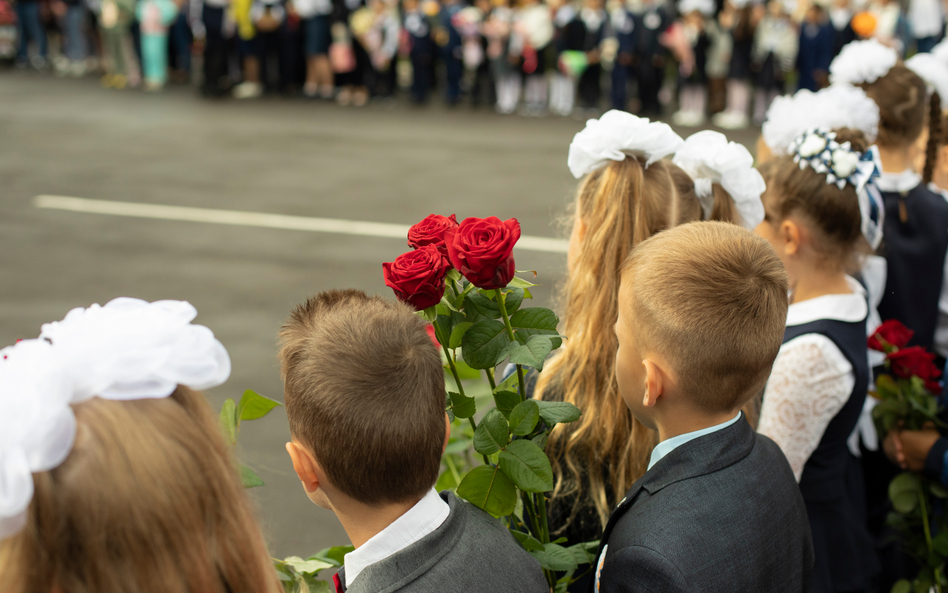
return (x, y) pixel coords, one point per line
(702, 309)
(365, 398)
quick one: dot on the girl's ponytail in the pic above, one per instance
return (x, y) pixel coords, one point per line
(934, 137)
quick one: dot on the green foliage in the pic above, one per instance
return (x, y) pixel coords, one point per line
(492, 433)
(249, 478)
(252, 406)
(490, 489)
(299, 575)
(524, 417)
(527, 466)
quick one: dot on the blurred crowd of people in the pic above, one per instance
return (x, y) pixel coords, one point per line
(727, 58)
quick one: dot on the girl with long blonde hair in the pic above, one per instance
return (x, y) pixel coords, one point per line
(115, 475)
(629, 191)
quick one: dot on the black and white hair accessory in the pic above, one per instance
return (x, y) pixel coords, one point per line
(819, 150)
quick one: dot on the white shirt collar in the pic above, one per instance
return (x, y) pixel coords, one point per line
(840, 307)
(420, 520)
(668, 445)
(907, 180)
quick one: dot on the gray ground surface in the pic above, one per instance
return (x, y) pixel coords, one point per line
(384, 164)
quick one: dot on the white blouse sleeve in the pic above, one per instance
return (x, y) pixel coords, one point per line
(810, 383)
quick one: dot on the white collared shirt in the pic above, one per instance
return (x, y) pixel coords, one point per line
(420, 520)
(668, 445)
(811, 380)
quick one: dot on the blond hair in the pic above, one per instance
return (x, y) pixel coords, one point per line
(364, 392)
(148, 500)
(620, 205)
(713, 301)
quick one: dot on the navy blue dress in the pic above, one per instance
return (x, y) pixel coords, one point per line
(832, 481)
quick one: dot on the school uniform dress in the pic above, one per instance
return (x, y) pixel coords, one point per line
(811, 406)
(650, 54)
(441, 545)
(623, 24)
(915, 242)
(718, 510)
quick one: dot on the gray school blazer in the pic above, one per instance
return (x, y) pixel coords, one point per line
(720, 513)
(470, 552)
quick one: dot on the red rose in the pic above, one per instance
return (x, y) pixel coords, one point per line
(431, 334)
(482, 250)
(933, 387)
(890, 333)
(430, 231)
(417, 277)
(915, 361)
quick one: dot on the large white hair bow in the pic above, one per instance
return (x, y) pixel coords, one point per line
(133, 349)
(709, 158)
(933, 71)
(940, 51)
(128, 349)
(616, 135)
(862, 62)
(837, 106)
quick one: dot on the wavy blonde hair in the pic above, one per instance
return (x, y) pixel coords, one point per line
(148, 500)
(621, 205)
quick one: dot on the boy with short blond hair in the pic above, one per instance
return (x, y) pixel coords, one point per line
(702, 309)
(365, 399)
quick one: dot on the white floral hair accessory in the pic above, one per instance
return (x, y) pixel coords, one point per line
(127, 349)
(862, 61)
(837, 106)
(932, 70)
(709, 158)
(616, 135)
(819, 150)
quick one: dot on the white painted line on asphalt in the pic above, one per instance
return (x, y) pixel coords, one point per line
(259, 219)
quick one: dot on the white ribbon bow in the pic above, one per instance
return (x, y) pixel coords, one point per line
(616, 135)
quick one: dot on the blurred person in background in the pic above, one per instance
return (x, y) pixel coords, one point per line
(568, 37)
(926, 19)
(180, 38)
(816, 49)
(73, 20)
(154, 17)
(115, 17)
(774, 55)
(314, 16)
(623, 69)
(740, 20)
(420, 49)
(498, 27)
(448, 39)
(531, 37)
(651, 20)
(30, 30)
(699, 28)
(381, 43)
(213, 28)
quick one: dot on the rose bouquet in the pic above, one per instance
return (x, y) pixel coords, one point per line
(908, 400)
(462, 278)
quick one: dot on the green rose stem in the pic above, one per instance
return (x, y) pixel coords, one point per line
(449, 354)
(510, 334)
(490, 379)
(453, 468)
(928, 533)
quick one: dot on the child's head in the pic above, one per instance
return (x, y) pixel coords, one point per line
(157, 477)
(813, 224)
(702, 310)
(593, 4)
(365, 398)
(902, 100)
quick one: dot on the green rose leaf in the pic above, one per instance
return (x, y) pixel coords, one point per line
(465, 372)
(482, 305)
(528, 466)
(541, 439)
(584, 553)
(535, 321)
(555, 557)
(458, 333)
(519, 283)
(335, 554)
(524, 418)
(940, 543)
(533, 353)
(311, 566)
(506, 401)
(450, 412)
(249, 478)
(483, 343)
(228, 421)
(526, 540)
(558, 412)
(487, 487)
(938, 491)
(492, 433)
(463, 406)
(253, 405)
(902, 586)
(904, 491)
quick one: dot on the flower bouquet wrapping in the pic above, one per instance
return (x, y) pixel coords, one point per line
(908, 400)
(462, 278)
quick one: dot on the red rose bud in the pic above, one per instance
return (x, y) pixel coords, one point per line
(914, 361)
(434, 337)
(481, 249)
(891, 332)
(417, 277)
(430, 231)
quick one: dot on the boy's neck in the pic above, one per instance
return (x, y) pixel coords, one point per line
(683, 422)
(363, 522)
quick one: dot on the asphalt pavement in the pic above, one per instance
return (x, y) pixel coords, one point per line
(386, 163)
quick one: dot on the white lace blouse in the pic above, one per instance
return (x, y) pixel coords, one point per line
(811, 379)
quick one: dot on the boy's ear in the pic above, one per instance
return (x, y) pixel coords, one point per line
(654, 383)
(305, 466)
(447, 432)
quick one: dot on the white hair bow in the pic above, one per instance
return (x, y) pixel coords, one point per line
(861, 62)
(709, 158)
(933, 71)
(616, 135)
(127, 349)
